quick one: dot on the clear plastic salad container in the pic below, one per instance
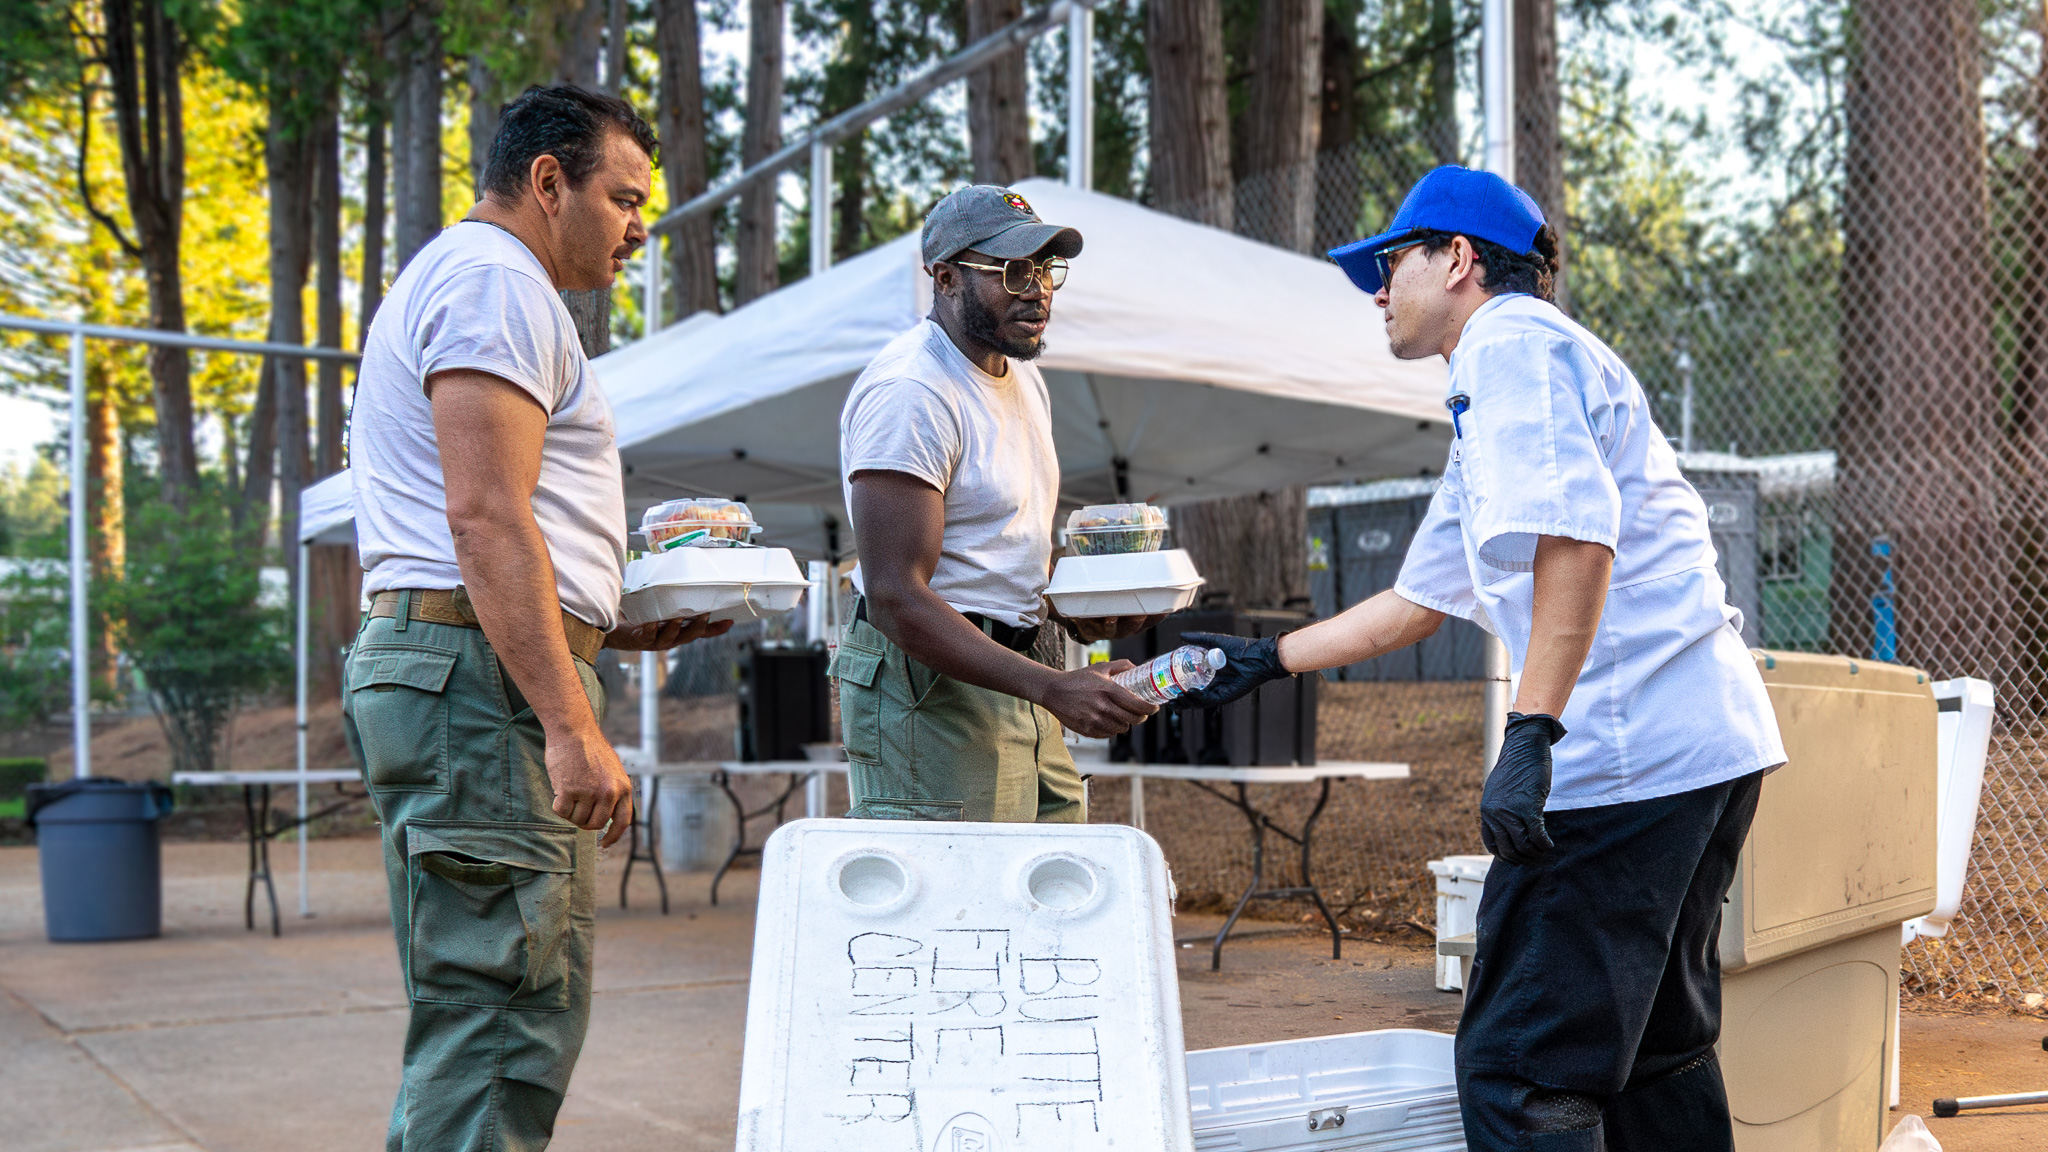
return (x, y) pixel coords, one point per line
(1106, 529)
(697, 524)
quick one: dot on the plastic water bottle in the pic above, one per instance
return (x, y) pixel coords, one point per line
(1183, 670)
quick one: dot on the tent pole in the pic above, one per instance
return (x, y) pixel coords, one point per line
(1497, 93)
(299, 643)
(821, 206)
(81, 670)
(1081, 96)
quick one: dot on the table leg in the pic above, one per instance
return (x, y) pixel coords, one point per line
(814, 795)
(1258, 877)
(1308, 837)
(263, 840)
(654, 839)
(249, 890)
(739, 835)
(1138, 803)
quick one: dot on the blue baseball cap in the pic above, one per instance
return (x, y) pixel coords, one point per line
(1448, 199)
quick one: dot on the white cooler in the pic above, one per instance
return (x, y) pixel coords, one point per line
(1390, 1089)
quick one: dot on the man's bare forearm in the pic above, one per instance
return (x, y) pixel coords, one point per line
(1570, 594)
(511, 582)
(1380, 625)
(932, 633)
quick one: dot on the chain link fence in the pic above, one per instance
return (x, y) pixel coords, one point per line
(1865, 350)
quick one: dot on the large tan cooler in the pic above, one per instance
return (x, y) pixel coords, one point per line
(1841, 853)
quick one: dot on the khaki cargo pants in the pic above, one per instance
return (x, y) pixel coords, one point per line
(921, 746)
(493, 896)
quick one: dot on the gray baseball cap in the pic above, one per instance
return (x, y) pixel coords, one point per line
(992, 219)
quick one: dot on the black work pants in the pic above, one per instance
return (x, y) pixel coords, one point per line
(1594, 1000)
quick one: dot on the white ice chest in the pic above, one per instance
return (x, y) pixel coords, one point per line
(932, 987)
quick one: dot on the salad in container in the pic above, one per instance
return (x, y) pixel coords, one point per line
(1113, 529)
(697, 524)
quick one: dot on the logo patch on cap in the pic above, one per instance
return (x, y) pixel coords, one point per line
(1017, 202)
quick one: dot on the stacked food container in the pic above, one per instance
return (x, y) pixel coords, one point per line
(703, 563)
(1118, 565)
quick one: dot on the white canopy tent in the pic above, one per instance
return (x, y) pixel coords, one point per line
(327, 515)
(1184, 362)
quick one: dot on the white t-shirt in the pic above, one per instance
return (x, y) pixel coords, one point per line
(475, 297)
(986, 442)
(1558, 441)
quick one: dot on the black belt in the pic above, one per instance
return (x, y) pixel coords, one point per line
(1008, 635)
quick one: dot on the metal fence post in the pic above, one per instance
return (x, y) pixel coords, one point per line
(81, 638)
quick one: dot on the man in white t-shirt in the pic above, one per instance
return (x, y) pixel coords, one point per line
(946, 452)
(491, 518)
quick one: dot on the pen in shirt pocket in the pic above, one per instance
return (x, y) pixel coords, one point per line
(1459, 403)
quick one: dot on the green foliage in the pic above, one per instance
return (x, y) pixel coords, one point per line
(192, 624)
(33, 513)
(18, 772)
(35, 663)
(36, 47)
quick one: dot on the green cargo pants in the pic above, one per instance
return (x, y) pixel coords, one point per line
(921, 746)
(493, 896)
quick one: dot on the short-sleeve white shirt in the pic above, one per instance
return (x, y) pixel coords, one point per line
(1558, 441)
(476, 297)
(923, 408)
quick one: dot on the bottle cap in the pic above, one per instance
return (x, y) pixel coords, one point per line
(1217, 659)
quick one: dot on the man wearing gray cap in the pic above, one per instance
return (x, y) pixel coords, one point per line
(945, 447)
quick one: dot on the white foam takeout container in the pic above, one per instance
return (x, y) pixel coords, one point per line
(722, 583)
(1123, 584)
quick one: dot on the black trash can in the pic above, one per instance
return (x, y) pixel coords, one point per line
(102, 861)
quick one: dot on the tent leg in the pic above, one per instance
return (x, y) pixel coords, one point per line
(299, 643)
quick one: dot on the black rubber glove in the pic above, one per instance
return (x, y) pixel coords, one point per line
(1252, 663)
(1511, 808)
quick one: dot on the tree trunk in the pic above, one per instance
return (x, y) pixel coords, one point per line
(1286, 122)
(1443, 82)
(685, 153)
(416, 136)
(756, 274)
(373, 221)
(290, 151)
(1919, 456)
(1190, 114)
(582, 43)
(591, 309)
(1340, 175)
(106, 511)
(329, 414)
(2030, 333)
(848, 80)
(144, 57)
(998, 112)
(615, 49)
(1539, 146)
(1252, 550)
(484, 107)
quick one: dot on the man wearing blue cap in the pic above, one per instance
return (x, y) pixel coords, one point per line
(1563, 527)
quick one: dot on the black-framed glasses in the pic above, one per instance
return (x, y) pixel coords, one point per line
(1385, 259)
(1021, 273)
